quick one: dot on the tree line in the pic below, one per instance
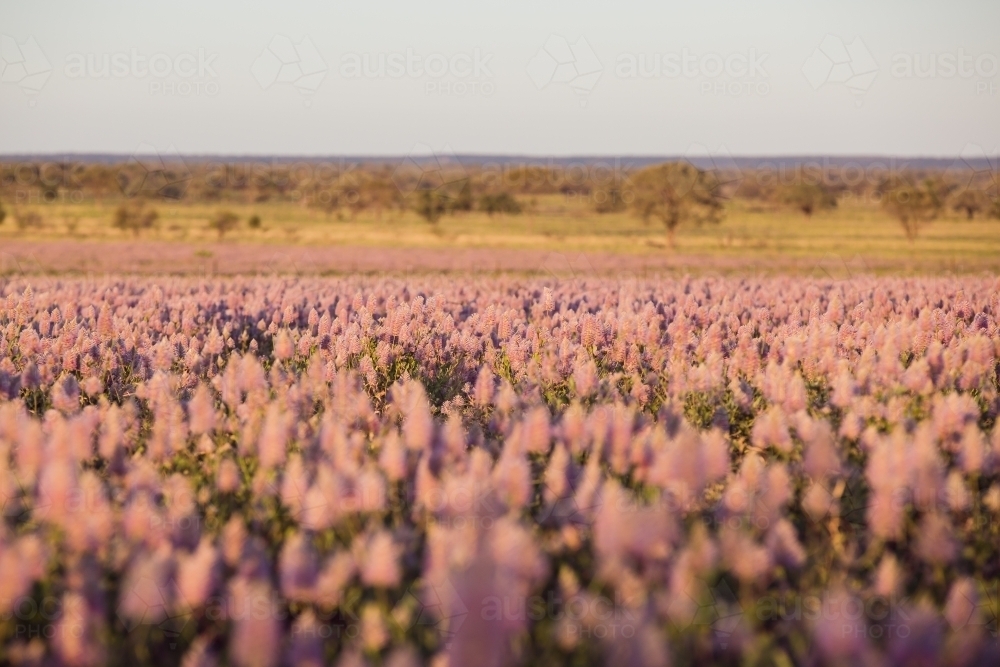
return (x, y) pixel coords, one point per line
(673, 194)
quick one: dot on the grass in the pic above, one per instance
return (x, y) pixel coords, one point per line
(750, 231)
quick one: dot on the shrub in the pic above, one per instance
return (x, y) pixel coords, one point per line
(135, 217)
(463, 201)
(808, 198)
(223, 222)
(431, 205)
(28, 220)
(502, 202)
(970, 202)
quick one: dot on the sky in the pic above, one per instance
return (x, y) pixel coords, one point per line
(545, 78)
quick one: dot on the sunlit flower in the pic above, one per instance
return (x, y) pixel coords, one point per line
(379, 561)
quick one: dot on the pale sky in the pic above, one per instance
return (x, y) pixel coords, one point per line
(895, 77)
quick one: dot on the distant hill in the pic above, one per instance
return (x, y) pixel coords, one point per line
(718, 161)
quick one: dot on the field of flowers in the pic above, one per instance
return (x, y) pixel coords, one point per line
(489, 471)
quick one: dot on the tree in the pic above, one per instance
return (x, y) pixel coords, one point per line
(808, 197)
(3, 214)
(349, 191)
(135, 217)
(970, 202)
(356, 200)
(254, 221)
(223, 222)
(676, 193)
(98, 179)
(385, 195)
(913, 204)
(463, 201)
(431, 205)
(499, 203)
(757, 186)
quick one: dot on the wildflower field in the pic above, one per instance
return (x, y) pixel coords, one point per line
(263, 471)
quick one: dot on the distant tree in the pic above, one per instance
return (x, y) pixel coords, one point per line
(329, 200)
(502, 202)
(463, 200)
(611, 200)
(970, 201)
(209, 192)
(995, 208)
(168, 181)
(254, 221)
(676, 193)
(527, 179)
(808, 197)
(3, 214)
(135, 217)
(756, 186)
(431, 205)
(355, 193)
(354, 198)
(97, 179)
(384, 195)
(913, 204)
(223, 222)
(50, 192)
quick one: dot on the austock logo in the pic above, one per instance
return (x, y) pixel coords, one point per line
(23, 64)
(710, 606)
(151, 597)
(842, 497)
(44, 182)
(976, 608)
(438, 606)
(981, 68)
(833, 266)
(451, 74)
(558, 265)
(428, 170)
(149, 172)
(837, 63)
(566, 507)
(15, 497)
(138, 65)
(976, 171)
(62, 620)
(732, 74)
(719, 162)
(558, 61)
(25, 266)
(183, 74)
(284, 61)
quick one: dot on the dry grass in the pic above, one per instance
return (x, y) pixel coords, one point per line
(857, 235)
